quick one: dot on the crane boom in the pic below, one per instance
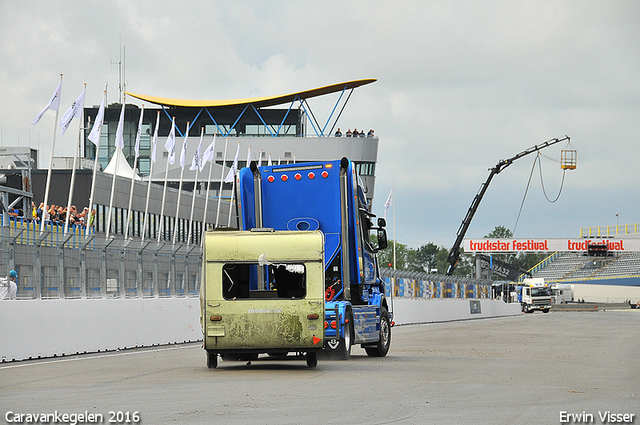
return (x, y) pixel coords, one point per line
(454, 253)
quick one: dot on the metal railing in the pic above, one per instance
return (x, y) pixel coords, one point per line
(619, 229)
(52, 264)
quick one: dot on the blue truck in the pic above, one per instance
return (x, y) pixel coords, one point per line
(328, 196)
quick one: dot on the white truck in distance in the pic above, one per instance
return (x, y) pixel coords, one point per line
(533, 295)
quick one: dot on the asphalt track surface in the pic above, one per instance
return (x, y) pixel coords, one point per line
(525, 369)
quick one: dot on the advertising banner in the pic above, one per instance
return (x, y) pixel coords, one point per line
(546, 245)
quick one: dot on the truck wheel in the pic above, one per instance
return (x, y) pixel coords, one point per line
(382, 347)
(546, 310)
(212, 360)
(343, 350)
(312, 359)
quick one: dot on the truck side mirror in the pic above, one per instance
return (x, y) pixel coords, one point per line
(382, 239)
(382, 222)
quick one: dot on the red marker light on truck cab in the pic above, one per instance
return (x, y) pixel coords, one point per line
(297, 176)
(312, 316)
(271, 179)
(284, 178)
(325, 174)
(216, 318)
(312, 176)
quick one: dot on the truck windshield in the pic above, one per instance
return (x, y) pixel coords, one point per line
(539, 292)
(252, 281)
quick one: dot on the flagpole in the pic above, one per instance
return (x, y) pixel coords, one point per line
(233, 192)
(195, 185)
(153, 153)
(184, 148)
(207, 156)
(232, 172)
(394, 227)
(164, 190)
(95, 172)
(133, 176)
(75, 163)
(206, 202)
(45, 213)
(115, 171)
(224, 158)
(113, 191)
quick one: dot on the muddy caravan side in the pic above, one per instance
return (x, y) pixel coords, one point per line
(263, 293)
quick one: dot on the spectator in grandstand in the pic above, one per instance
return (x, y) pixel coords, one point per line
(355, 132)
(72, 216)
(338, 133)
(349, 133)
(370, 133)
(81, 217)
(92, 219)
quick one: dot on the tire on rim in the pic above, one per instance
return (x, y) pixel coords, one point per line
(312, 359)
(212, 360)
(382, 347)
(343, 350)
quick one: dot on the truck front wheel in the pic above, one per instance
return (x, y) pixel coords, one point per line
(382, 347)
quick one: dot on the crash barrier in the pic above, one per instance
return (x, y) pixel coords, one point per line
(427, 285)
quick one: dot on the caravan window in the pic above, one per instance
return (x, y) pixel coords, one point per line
(252, 281)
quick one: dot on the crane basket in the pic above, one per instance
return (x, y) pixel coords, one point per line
(568, 158)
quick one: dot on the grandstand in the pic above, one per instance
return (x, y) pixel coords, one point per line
(573, 266)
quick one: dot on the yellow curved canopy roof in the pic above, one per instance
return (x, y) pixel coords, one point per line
(258, 102)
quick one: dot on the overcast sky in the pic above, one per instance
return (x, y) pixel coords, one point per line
(461, 85)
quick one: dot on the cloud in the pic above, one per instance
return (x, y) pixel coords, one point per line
(460, 86)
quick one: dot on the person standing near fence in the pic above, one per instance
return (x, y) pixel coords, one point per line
(8, 286)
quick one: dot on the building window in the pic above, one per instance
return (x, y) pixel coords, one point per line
(365, 168)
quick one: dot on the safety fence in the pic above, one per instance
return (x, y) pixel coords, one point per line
(408, 284)
(52, 264)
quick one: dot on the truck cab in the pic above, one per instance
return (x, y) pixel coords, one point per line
(263, 293)
(327, 196)
(533, 295)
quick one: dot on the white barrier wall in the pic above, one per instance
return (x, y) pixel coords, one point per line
(48, 328)
(416, 310)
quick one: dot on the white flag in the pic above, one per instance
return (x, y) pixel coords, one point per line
(234, 168)
(183, 152)
(195, 162)
(139, 133)
(154, 142)
(248, 156)
(54, 103)
(170, 145)
(388, 203)
(120, 130)
(208, 153)
(269, 163)
(76, 107)
(94, 136)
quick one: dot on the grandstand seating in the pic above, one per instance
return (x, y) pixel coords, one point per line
(578, 266)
